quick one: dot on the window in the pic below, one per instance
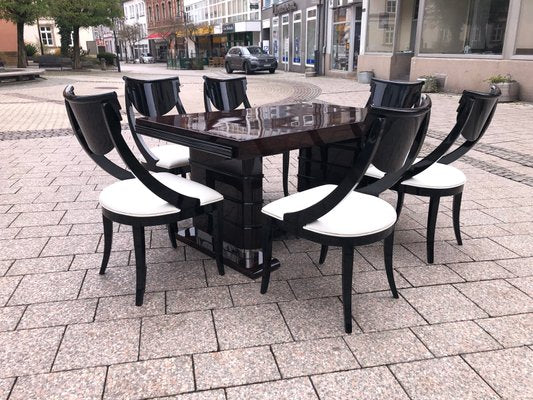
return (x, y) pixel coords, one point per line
(285, 38)
(163, 11)
(340, 46)
(380, 26)
(464, 26)
(46, 36)
(296, 37)
(310, 44)
(157, 12)
(391, 6)
(170, 9)
(275, 36)
(524, 35)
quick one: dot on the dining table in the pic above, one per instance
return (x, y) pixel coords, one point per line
(227, 149)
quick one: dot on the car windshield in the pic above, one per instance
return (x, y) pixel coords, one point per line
(254, 50)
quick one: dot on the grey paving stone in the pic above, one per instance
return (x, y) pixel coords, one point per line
(497, 297)
(369, 384)
(87, 384)
(67, 245)
(40, 265)
(316, 287)
(231, 277)
(454, 338)
(477, 271)
(21, 248)
(28, 351)
(482, 231)
(204, 395)
(485, 249)
(374, 281)
(124, 306)
(513, 330)
(444, 252)
(301, 246)
(234, 367)
(314, 319)
(250, 326)
(442, 304)
(82, 216)
(91, 261)
(174, 335)
(380, 311)
(518, 266)
(249, 294)
(198, 299)
(98, 343)
(48, 287)
(519, 244)
(150, 378)
(116, 281)
(430, 275)
(333, 263)
(38, 218)
(4, 266)
(44, 231)
(294, 266)
(507, 371)
(313, 357)
(5, 388)
(387, 347)
(401, 256)
(287, 389)
(9, 317)
(525, 284)
(442, 379)
(8, 284)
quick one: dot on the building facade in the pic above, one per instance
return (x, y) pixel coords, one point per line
(135, 15)
(8, 43)
(164, 18)
(48, 32)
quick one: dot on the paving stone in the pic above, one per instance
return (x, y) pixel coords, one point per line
(21, 248)
(288, 389)
(442, 304)
(9, 233)
(401, 256)
(115, 282)
(231, 277)
(4, 266)
(369, 384)
(124, 306)
(249, 294)
(476, 271)
(442, 378)
(314, 319)
(205, 395)
(387, 347)
(58, 313)
(98, 343)
(28, 351)
(7, 219)
(176, 275)
(294, 266)
(519, 244)
(90, 261)
(48, 287)
(38, 218)
(9, 317)
(40, 265)
(250, 326)
(198, 299)
(518, 266)
(430, 275)
(507, 371)
(444, 252)
(174, 335)
(300, 246)
(374, 281)
(497, 297)
(5, 388)
(483, 231)
(84, 384)
(508, 214)
(514, 330)
(234, 367)
(313, 357)
(316, 287)
(333, 263)
(67, 245)
(43, 231)
(380, 311)
(8, 284)
(485, 249)
(524, 284)
(82, 216)
(149, 378)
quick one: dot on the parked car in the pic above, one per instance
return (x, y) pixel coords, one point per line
(249, 59)
(147, 58)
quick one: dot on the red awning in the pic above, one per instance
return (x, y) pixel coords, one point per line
(158, 35)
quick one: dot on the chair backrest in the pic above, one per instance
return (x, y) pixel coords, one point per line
(96, 123)
(407, 126)
(394, 94)
(225, 94)
(91, 130)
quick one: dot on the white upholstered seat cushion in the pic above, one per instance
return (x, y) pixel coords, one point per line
(437, 176)
(130, 197)
(171, 156)
(356, 215)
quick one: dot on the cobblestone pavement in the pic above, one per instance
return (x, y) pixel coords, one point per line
(461, 329)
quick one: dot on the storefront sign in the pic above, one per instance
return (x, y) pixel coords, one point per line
(284, 7)
(254, 4)
(228, 28)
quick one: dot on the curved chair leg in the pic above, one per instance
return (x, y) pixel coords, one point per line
(456, 217)
(399, 202)
(388, 251)
(140, 263)
(108, 240)
(432, 223)
(267, 254)
(217, 238)
(286, 156)
(172, 228)
(323, 253)
(347, 270)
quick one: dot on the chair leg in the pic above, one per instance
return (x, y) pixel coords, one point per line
(267, 254)
(388, 251)
(323, 254)
(172, 234)
(432, 223)
(399, 202)
(140, 263)
(108, 240)
(347, 270)
(286, 156)
(217, 238)
(456, 217)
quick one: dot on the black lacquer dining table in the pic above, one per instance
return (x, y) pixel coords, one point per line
(226, 153)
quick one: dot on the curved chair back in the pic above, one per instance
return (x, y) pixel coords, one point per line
(408, 126)
(394, 94)
(225, 94)
(91, 128)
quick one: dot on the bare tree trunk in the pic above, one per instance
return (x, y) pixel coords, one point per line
(76, 40)
(21, 49)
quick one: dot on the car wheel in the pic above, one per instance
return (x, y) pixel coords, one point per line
(247, 69)
(272, 70)
(228, 68)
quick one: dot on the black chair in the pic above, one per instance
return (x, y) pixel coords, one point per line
(341, 216)
(433, 177)
(227, 95)
(141, 198)
(154, 98)
(394, 94)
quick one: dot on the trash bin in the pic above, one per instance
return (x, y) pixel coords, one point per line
(364, 76)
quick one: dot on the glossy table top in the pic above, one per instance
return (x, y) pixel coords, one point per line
(258, 131)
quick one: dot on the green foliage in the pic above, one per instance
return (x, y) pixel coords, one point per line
(21, 11)
(108, 57)
(85, 13)
(31, 49)
(500, 79)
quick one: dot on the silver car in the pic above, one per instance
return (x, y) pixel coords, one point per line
(147, 58)
(249, 59)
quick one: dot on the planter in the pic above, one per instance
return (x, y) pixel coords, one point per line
(509, 91)
(365, 76)
(430, 84)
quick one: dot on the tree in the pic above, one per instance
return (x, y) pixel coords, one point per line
(129, 34)
(21, 12)
(65, 34)
(83, 14)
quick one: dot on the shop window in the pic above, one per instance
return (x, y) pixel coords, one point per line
(380, 26)
(285, 38)
(275, 36)
(46, 35)
(296, 37)
(340, 46)
(524, 35)
(464, 26)
(157, 12)
(310, 43)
